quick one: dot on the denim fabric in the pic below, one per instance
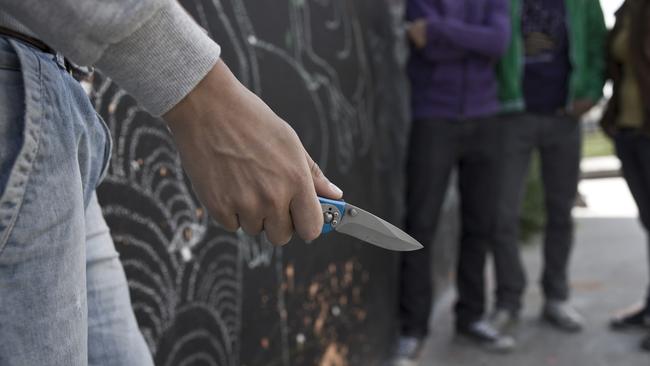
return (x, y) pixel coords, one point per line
(437, 147)
(558, 140)
(63, 294)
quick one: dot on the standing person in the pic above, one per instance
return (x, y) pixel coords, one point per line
(63, 294)
(455, 46)
(627, 121)
(561, 80)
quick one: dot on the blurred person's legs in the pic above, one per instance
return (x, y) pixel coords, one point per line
(633, 150)
(520, 134)
(432, 155)
(560, 153)
(53, 150)
(478, 184)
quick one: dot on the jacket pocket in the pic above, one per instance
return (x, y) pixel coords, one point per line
(21, 112)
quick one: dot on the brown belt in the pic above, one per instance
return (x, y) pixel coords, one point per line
(27, 39)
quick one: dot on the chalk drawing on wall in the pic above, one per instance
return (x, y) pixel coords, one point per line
(309, 59)
(310, 54)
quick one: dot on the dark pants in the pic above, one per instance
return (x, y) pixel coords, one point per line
(633, 149)
(558, 140)
(437, 147)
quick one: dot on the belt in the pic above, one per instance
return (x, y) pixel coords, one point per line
(27, 39)
(78, 72)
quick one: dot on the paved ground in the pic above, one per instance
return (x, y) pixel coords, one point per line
(609, 271)
(600, 167)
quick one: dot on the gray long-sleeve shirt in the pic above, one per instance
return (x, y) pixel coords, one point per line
(151, 48)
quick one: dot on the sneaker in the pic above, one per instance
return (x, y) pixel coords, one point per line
(407, 351)
(638, 319)
(483, 334)
(562, 316)
(504, 321)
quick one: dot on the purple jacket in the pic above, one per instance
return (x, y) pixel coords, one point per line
(454, 77)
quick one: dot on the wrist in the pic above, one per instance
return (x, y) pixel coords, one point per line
(216, 87)
(162, 60)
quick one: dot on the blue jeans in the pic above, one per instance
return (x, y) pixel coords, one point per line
(63, 294)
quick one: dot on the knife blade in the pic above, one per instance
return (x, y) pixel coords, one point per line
(350, 220)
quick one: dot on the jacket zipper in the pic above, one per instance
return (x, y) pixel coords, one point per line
(463, 84)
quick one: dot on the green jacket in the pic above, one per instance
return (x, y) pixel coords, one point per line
(587, 35)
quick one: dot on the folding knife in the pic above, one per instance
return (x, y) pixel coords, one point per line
(350, 220)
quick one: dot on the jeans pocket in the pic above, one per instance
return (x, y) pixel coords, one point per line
(21, 112)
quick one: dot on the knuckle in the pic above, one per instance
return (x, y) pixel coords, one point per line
(279, 238)
(229, 225)
(282, 240)
(252, 229)
(230, 228)
(247, 205)
(226, 219)
(272, 206)
(269, 199)
(296, 176)
(311, 231)
(316, 172)
(315, 232)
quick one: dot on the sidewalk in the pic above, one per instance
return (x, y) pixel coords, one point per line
(600, 167)
(609, 271)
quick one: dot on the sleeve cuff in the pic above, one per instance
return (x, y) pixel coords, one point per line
(163, 60)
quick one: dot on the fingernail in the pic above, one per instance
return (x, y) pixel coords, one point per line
(336, 189)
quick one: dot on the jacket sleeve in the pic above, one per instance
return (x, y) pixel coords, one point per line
(436, 49)
(151, 48)
(439, 49)
(595, 49)
(490, 39)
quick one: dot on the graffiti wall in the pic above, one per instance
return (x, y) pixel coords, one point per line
(202, 296)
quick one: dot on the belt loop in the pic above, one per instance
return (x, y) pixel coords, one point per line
(60, 60)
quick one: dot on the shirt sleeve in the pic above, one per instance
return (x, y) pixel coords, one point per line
(151, 48)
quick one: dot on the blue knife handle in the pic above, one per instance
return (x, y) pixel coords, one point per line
(333, 211)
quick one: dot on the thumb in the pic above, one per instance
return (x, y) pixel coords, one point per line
(323, 186)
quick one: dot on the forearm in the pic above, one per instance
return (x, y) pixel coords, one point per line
(438, 49)
(151, 48)
(490, 39)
